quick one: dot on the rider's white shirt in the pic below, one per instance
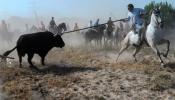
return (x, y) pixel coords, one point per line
(134, 16)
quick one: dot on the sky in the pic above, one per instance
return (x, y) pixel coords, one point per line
(87, 9)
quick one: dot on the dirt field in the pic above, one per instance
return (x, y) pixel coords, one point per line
(79, 74)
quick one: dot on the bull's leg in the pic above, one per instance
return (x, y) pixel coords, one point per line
(30, 56)
(20, 60)
(42, 59)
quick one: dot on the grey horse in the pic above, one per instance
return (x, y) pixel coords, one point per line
(95, 34)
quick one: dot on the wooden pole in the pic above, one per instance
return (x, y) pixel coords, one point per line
(93, 26)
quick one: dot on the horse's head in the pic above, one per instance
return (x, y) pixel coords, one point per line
(102, 27)
(156, 16)
(62, 26)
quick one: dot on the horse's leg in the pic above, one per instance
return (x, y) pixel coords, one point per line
(125, 45)
(115, 41)
(104, 41)
(110, 42)
(137, 49)
(167, 48)
(101, 45)
(87, 42)
(96, 44)
(155, 49)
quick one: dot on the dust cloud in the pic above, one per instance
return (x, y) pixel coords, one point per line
(105, 79)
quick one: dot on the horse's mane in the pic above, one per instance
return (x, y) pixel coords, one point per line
(61, 24)
(151, 11)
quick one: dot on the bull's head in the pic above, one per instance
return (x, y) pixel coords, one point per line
(58, 41)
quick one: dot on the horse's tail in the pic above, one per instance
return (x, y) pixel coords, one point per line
(9, 51)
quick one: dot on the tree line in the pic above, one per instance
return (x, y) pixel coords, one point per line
(167, 12)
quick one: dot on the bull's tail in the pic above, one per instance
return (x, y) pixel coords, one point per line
(9, 51)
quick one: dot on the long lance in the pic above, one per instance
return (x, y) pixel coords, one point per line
(94, 26)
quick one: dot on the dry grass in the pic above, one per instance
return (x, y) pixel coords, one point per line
(73, 67)
(163, 81)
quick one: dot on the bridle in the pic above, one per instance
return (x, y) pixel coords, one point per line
(157, 13)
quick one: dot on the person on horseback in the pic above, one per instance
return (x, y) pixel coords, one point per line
(110, 27)
(52, 23)
(43, 26)
(136, 21)
(90, 23)
(97, 22)
(76, 27)
(53, 26)
(96, 25)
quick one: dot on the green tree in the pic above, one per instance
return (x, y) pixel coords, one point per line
(167, 12)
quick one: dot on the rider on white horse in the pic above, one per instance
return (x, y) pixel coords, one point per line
(135, 35)
(153, 36)
(135, 19)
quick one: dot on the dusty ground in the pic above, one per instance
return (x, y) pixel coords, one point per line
(79, 74)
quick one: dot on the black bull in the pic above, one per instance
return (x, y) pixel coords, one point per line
(36, 43)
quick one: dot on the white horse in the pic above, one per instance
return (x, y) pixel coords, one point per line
(153, 37)
(132, 38)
